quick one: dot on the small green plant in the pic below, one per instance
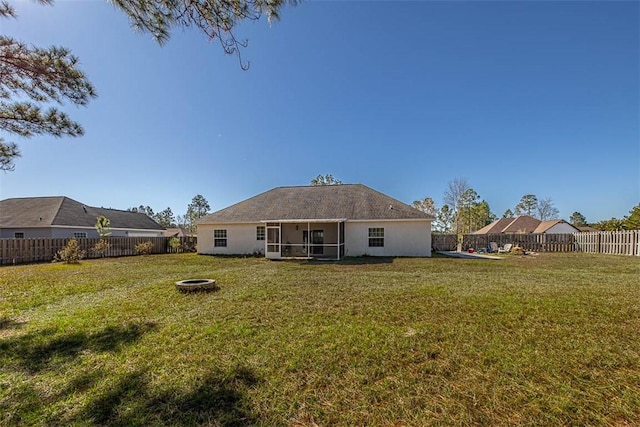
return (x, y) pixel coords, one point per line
(103, 226)
(101, 247)
(70, 254)
(174, 243)
(144, 248)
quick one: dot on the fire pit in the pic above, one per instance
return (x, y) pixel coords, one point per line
(196, 285)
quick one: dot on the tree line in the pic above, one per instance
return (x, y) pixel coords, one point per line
(464, 211)
(198, 208)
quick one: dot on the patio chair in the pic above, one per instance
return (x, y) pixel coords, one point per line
(505, 248)
(493, 247)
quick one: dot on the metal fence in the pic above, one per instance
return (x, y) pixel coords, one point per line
(18, 251)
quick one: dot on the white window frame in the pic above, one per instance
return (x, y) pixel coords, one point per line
(261, 233)
(220, 238)
(80, 235)
(16, 234)
(376, 237)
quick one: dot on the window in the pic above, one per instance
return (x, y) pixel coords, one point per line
(376, 237)
(80, 235)
(18, 235)
(260, 232)
(220, 238)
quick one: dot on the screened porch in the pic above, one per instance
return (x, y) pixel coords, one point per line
(319, 239)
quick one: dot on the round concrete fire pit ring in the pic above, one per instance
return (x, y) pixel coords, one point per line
(197, 285)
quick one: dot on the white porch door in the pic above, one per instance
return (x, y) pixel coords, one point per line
(273, 242)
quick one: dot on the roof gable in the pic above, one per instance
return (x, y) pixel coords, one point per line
(522, 224)
(30, 212)
(346, 201)
(495, 227)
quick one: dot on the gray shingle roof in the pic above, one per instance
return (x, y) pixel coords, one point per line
(47, 211)
(347, 201)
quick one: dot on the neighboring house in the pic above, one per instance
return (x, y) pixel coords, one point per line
(62, 217)
(178, 232)
(330, 221)
(526, 224)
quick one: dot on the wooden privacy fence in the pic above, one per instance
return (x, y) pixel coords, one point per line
(600, 242)
(444, 242)
(17, 251)
(529, 242)
(609, 242)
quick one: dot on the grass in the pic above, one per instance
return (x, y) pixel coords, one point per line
(545, 340)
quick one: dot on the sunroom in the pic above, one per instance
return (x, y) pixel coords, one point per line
(305, 238)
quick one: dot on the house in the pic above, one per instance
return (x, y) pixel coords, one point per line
(330, 221)
(527, 224)
(62, 217)
(178, 232)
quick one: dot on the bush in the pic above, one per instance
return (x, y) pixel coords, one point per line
(144, 248)
(70, 254)
(101, 247)
(174, 243)
(517, 250)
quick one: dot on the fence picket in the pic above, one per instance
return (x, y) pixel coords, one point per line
(16, 251)
(606, 242)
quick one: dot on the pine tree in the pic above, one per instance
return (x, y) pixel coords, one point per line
(32, 81)
(216, 20)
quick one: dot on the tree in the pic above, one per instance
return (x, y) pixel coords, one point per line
(474, 213)
(546, 210)
(198, 208)
(31, 80)
(327, 179)
(453, 196)
(215, 19)
(528, 205)
(444, 219)
(507, 214)
(632, 221)
(577, 219)
(612, 224)
(181, 221)
(427, 205)
(466, 210)
(143, 209)
(103, 226)
(165, 218)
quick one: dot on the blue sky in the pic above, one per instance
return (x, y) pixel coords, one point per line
(517, 97)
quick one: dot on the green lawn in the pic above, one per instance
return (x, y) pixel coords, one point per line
(552, 339)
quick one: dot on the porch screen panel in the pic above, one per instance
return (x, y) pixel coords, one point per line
(273, 239)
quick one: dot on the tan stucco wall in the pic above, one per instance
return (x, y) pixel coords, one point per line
(241, 239)
(402, 238)
(406, 238)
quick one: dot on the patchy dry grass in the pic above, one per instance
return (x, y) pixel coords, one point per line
(551, 339)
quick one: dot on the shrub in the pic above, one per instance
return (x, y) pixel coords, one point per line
(70, 254)
(174, 243)
(144, 248)
(517, 250)
(101, 247)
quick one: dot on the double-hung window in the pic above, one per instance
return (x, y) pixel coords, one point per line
(220, 238)
(376, 237)
(260, 232)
